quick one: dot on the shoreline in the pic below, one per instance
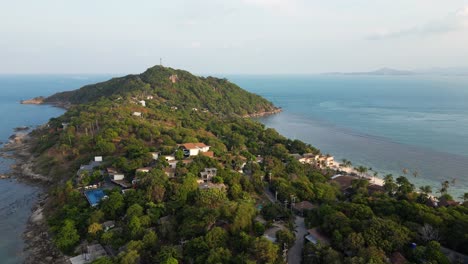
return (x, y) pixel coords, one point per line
(38, 245)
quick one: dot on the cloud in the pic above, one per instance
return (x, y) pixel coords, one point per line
(195, 44)
(453, 22)
(278, 6)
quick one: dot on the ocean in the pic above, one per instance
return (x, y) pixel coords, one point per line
(388, 123)
(16, 199)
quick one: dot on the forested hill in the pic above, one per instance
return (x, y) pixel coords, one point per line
(176, 88)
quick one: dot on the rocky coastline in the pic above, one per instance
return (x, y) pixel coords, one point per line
(34, 101)
(275, 111)
(43, 101)
(38, 243)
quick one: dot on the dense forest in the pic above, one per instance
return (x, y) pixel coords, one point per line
(175, 217)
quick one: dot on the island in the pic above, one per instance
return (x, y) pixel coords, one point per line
(167, 167)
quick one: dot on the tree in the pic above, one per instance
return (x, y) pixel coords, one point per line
(211, 198)
(429, 233)
(264, 250)
(134, 210)
(135, 227)
(464, 197)
(444, 187)
(243, 217)
(113, 205)
(404, 186)
(285, 236)
(150, 240)
(219, 255)
(389, 184)
(67, 238)
(103, 260)
(362, 170)
(129, 257)
(94, 228)
(216, 237)
(425, 189)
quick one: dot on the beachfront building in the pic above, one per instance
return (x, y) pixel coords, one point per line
(193, 149)
(324, 161)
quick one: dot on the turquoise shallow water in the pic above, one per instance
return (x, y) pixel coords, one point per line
(387, 123)
(16, 199)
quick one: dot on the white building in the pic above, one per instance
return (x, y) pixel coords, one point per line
(195, 148)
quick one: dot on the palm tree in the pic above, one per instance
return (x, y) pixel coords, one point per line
(444, 187)
(426, 189)
(361, 170)
(464, 197)
(346, 163)
(415, 173)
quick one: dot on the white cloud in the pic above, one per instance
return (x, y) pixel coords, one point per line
(452, 22)
(279, 6)
(195, 44)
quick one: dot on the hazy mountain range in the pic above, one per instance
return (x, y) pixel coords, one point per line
(392, 72)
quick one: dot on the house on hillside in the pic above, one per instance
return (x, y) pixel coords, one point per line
(208, 174)
(142, 102)
(149, 97)
(343, 181)
(170, 172)
(314, 236)
(303, 206)
(143, 170)
(193, 149)
(108, 225)
(90, 254)
(155, 155)
(138, 114)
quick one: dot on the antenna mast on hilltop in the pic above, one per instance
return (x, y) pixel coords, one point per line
(160, 62)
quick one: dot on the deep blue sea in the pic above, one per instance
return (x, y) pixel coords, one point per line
(388, 123)
(16, 199)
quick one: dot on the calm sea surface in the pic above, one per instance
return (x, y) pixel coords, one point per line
(388, 123)
(16, 199)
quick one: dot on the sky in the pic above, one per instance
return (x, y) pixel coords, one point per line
(231, 36)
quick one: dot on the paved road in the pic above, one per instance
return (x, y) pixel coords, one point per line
(295, 253)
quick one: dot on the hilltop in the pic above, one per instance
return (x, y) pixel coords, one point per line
(171, 87)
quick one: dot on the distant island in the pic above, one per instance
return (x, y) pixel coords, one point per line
(395, 72)
(382, 71)
(167, 167)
